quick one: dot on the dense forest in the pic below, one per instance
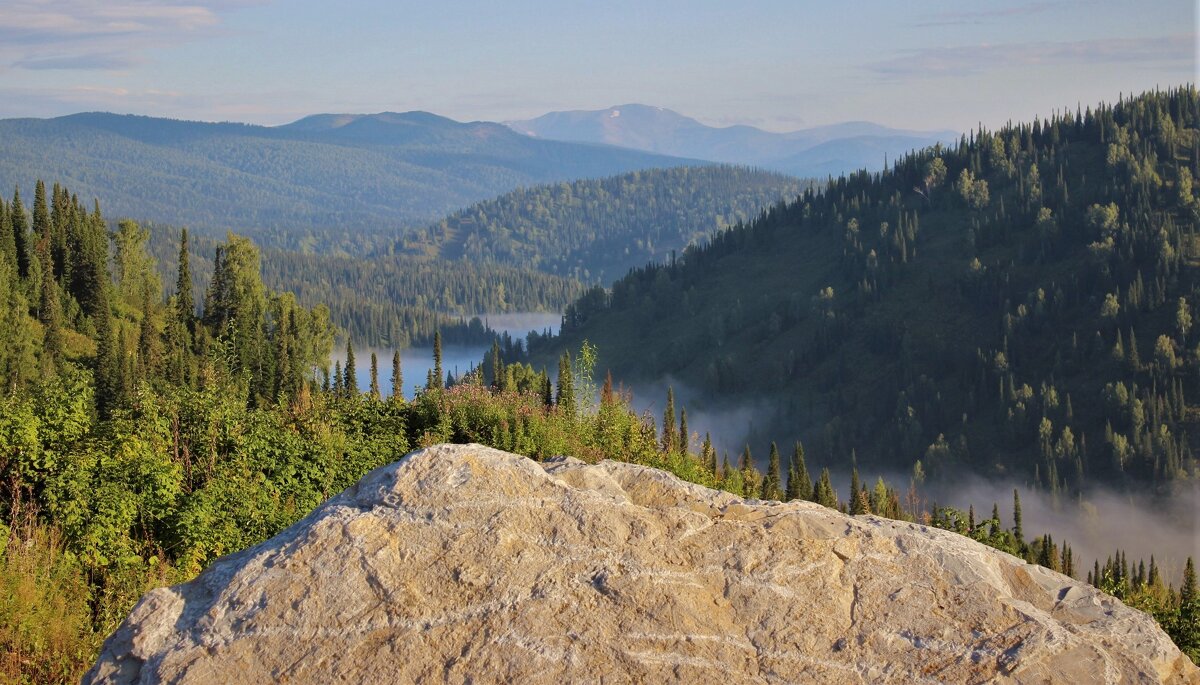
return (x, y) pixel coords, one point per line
(596, 230)
(331, 182)
(143, 436)
(1020, 304)
(393, 300)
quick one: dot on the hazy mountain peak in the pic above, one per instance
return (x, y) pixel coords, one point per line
(657, 129)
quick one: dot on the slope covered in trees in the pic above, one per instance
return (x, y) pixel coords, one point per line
(596, 230)
(1020, 304)
(304, 184)
(143, 436)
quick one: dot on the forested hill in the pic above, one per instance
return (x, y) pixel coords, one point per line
(596, 230)
(320, 176)
(1021, 304)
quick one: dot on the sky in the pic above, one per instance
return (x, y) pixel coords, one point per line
(777, 64)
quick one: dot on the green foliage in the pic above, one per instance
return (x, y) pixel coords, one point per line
(890, 316)
(596, 230)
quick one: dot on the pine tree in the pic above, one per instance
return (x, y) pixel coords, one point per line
(709, 455)
(824, 493)
(771, 484)
(725, 466)
(49, 308)
(855, 487)
(683, 431)
(565, 398)
(375, 394)
(746, 466)
(1018, 530)
(185, 301)
(349, 373)
(1187, 628)
(668, 435)
(397, 378)
(438, 375)
(20, 228)
(337, 379)
(799, 483)
(547, 390)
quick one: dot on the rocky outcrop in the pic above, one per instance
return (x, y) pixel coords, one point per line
(466, 564)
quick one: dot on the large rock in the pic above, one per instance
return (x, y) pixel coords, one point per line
(463, 563)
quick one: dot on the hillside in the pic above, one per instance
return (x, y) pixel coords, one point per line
(596, 230)
(1020, 305)
(315, 179)
(460, 563)
(807, 153)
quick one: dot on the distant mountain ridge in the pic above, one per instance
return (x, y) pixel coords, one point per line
(328, 172)
(843, 147)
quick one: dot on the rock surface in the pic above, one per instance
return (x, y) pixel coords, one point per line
(466, 564)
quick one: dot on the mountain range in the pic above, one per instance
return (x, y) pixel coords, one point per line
(328, 172)
(809, 153)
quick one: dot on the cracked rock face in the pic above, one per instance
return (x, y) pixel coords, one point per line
(464, 563)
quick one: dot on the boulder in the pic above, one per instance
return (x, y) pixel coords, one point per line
(461, 563)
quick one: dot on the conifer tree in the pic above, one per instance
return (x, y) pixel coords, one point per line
(746, 466)
(855, 487)
(824, 493)
(49, 308)
(1018, 530)
(708, 454)
(725, 466)
(337, 379)
(185, 301)
(8, 245)
(349, 373)
(438, 375)
(771, 484)
(20, 228)
(799, 483)
(397, 377)
(375, 394)
(683, 431)
(668, 431)
(565, 398)
(547, 390)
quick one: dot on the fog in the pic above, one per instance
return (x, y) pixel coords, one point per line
(415, 362)
(1095, 525)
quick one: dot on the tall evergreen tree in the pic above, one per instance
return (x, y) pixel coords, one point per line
(20, 228)
(824, 494)
(350, 380)
(397, 377)
(185, 301)
(799, 485)
(855, 489)
(683, 431)
(1018, 529)
(771, 484)
(375, 394)
(669, 442)
(437, 358)
(565, 398)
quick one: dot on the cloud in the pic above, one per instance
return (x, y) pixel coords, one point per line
(985, 16)
(94, 34)
(1176, 50)
(92, 60)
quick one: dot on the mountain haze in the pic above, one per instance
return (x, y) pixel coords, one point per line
(844, 146)
(330, 172)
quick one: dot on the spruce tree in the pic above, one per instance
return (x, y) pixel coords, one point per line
(668, 434)
(708, 454)
(855, 486)
(825, 495)
(349, 373)
(1018, 530)
(105, 376)
(375, 394)
(438, 375)
(185, 301)
(683, 431)
(565, 398)
(397, 378)
(337, 379)
(20, 228)
(8, 245)
(771, 484)
(49, 310)
(799, 484)
(746, 466)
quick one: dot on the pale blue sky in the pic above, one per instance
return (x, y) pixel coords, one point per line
(778, 64)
